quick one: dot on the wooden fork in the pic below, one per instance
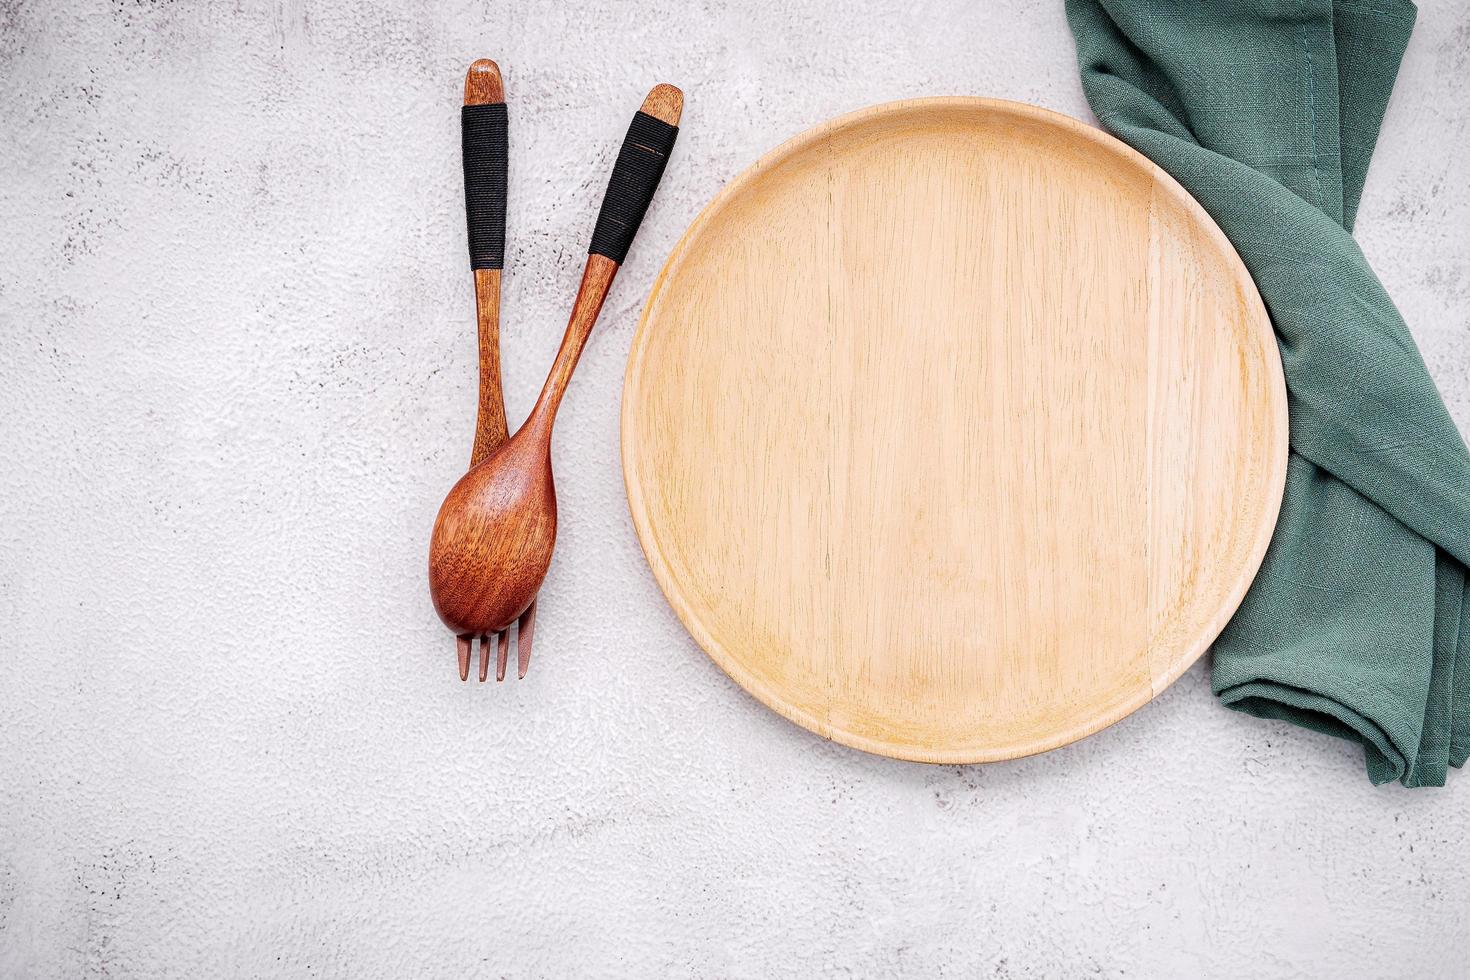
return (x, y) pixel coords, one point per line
(486, 157)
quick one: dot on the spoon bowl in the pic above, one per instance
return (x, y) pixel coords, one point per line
(501, 515)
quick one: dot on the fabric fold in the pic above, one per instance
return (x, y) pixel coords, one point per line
(1268, 112)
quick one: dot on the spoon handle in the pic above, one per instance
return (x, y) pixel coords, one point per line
(485, 137)
(635, 176)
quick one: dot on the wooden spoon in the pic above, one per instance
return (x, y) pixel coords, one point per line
(496, 529)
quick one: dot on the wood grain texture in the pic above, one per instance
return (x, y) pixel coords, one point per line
(490, 425)
(954, 430)
(495, 531)
(494, 536)
(665, 102)
(483, 84)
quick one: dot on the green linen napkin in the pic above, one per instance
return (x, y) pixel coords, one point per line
(1358, 624)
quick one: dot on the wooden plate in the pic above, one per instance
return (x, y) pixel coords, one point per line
(954, 430)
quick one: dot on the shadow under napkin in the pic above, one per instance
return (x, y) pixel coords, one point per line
(1268, 112)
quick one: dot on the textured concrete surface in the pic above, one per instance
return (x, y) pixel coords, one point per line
(237, 378)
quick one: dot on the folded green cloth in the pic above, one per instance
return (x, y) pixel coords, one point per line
(1358, 624)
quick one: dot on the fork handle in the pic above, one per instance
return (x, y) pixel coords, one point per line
(485, 139)
(484, 134)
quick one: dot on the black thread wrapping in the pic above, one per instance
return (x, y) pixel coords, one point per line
(635, 176)
(484, 132)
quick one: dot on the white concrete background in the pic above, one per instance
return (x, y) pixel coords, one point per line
(236, 380)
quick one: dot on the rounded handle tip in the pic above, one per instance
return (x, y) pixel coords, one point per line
(664, 102)
(482, 83)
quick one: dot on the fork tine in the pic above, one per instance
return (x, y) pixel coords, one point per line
(502, 655)
(484, 656)
(462, 648)
(524, 631)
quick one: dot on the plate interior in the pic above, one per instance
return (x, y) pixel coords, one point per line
(954, 430)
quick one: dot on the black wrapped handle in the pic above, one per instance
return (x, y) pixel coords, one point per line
(485, 135)
(635, 177)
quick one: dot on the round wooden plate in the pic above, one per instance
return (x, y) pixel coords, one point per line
(954, 430)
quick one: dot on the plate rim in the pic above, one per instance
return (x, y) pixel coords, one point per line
(771, 695)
